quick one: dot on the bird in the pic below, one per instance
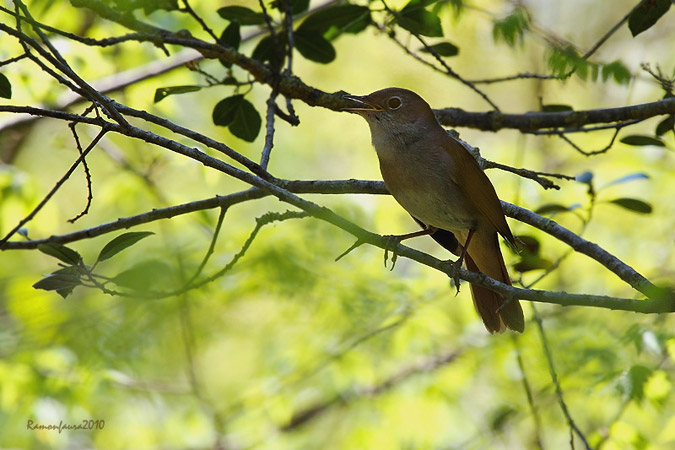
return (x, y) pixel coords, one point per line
(442, 186)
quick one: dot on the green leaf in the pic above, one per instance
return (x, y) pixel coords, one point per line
(144, 275)
(640, 140)
(530, 262)
(666, 125)
(414, 18)
(61, 252)
(163, 92)
(442, 48)
(239, 115)
(314, 47)
(556, 108)
(618, 71)
(242, 15)
(337, 19)
(265, 50)
(635, 381)
(120, 243)
(551, 208)
(297, 6)
(63, 281)
(633, 204)
(511, 28)
(224, 111)
(5, 87)
(646, 14)
(528, 244)
(231, 35)
(247, 122)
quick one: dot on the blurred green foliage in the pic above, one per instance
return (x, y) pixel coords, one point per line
(290, 349)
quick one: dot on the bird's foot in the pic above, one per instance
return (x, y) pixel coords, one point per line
(390, 246)
(457, 264)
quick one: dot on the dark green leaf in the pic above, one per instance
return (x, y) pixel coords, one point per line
(529, 262)
(528, 244)
(297, 6)
(225, 110)
(239, 115)
(264, 49)
(442, 48)
(666, 125)
(246, 123)
(314, 47)
(242, 15)
(414, 18)
(148, 6)
(144, 275)
(231, 35)
(585, 177)
(61, 252)
(163, 92)
(122, 242)
(646, 14)
(640, 140)
(342, 18)
(556, 108)
(63, 281)
(633, 204)
(551, 208)
(5, 87)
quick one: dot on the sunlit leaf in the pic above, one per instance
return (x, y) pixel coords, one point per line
(511, 28)
(5, 87)
(241, 14)
(121, 242)
(442, 48)
(144, 275)
(635, 381)
(646, 14)
(163, 92)
(617, 71)
(61, 252)
(641, 140)
(633, 204)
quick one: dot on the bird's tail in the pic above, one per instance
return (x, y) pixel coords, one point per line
(485, 256)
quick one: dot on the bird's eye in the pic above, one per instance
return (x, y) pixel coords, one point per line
(394, 103)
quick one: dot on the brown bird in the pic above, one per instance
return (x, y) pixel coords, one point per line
(435, 178)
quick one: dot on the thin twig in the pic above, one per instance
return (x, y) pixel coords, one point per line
(87, 174)
(56, 187)
(554, 376)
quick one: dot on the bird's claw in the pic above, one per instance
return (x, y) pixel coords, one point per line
(392, 242)
(455, 278)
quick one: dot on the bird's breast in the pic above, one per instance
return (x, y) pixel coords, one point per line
(420, 179)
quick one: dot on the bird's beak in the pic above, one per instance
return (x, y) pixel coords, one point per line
(363, 104)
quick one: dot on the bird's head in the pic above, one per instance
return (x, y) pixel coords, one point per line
(392, 108)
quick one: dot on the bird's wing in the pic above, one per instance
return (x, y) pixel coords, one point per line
(477, 187)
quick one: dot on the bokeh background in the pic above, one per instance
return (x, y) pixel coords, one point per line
(375, 358)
